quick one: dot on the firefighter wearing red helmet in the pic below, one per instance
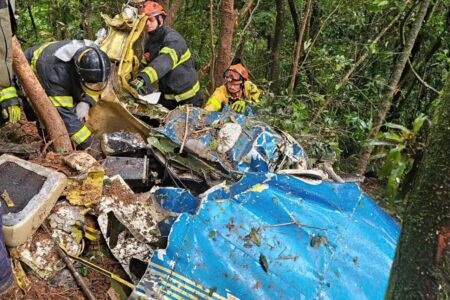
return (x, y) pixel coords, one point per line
(169, 62)
(237, 91)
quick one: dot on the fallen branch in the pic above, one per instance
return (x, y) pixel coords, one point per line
(423, 82)
(330, 171)
(288, 224)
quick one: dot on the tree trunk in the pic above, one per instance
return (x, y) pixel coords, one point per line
(174, 8)
(238, 55)
(426, 217)
(211, 45)
(299, 47)
(225, 41)
(85, 25)
(277, 42)
(44, 108)
(33, 23)
(386, 100)
(294, 15)
(408, 80)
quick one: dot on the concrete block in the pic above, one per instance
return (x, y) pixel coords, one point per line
(34, 190)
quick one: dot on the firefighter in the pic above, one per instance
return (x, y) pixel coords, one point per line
(169, 63)
(73, 74)
(9, 101)
(10, 111)
(237, 92)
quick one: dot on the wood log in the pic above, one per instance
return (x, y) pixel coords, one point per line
(44, 108)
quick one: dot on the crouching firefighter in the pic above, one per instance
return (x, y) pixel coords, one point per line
(238, 92)
(73, 74)
(168, 62)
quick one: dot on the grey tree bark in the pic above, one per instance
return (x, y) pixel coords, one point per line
(427, 217)
(277, 42)
(386, 100)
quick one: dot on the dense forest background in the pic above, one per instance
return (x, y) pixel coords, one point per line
(358, 83)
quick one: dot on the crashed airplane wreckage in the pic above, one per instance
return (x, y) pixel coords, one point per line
(219, 222)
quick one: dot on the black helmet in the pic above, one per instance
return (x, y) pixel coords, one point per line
(92, 64)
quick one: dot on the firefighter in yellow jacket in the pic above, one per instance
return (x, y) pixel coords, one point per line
(237, 92)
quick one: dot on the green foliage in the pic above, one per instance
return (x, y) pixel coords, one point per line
(397, 147)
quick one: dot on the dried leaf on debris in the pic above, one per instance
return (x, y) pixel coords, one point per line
(254, 237)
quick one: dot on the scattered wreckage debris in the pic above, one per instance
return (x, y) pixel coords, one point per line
(134, 170)
(200, 191)
(85, 189)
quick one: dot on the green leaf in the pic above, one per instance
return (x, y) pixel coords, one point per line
(381, 143)
(119, 290)
(397, 126)
(373, 48)
(378, 156)
(214, 144)
(418, 123)
(212, 234)
(263, 262)
(393, 137)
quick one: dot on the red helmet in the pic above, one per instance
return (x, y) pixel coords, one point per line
(236, 74)
(152, 9)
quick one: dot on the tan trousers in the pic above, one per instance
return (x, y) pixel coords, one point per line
(6, 72)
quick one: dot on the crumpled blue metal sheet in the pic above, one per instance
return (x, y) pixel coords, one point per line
(320, 241)
(259, 148)
(175, 199)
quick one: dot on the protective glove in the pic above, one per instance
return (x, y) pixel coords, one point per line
(238, 106)
(139, 85)
(82, 110)
(12, 113)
